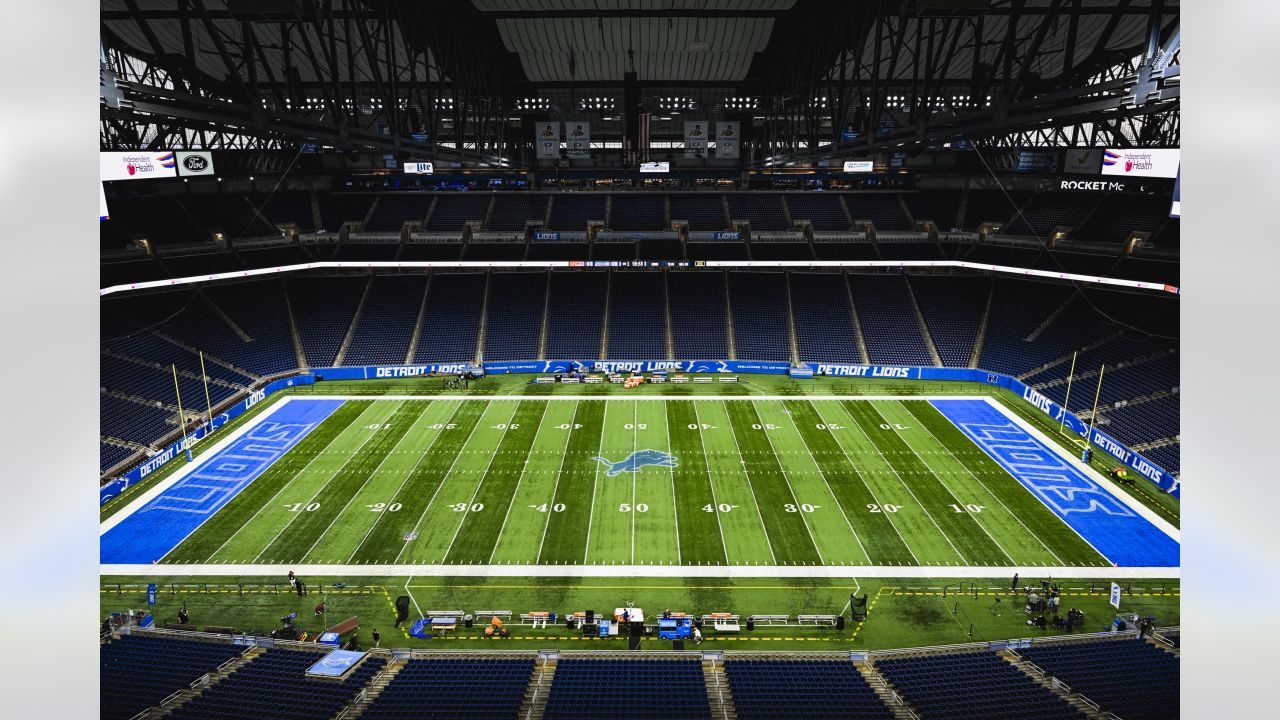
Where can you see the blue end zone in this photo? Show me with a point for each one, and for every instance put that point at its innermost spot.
(1121, 535)
(157, 527)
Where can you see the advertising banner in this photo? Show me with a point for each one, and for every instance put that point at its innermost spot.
(655, 167)
(727, 134)
(137, 165)
(695, 138)
(160, 459)
(1083, 161)
(859, 166)
(1115, 595)
(1101, 440)
(419, 168)
(1140, 162)
(578, 136)
(547, 140)
(195, 162)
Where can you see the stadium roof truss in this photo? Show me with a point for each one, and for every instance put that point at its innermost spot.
(813, 78)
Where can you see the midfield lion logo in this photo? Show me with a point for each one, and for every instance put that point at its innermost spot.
(637, 460)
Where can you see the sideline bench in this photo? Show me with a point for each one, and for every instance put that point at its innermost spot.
(503, 615)
(722, 622)
(536, 619)
(345, 626)
(816, 620)
(770, 619)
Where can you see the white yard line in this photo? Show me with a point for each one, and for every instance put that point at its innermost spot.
(1128, 500)
(479, 483)
(154, 491)
(871, 491)
(595, 480)
(984, 485)
(404, 482)
(640, 571)
(356, 494)
(825, 481)
(283, 487)
(523, 469)
(947, 487)
(635, 439)
(675, 511)
(443, 478)
(706, 464)
(791, 488)
(551, 505)
(904, 484)
(321, 489)
(730, 398)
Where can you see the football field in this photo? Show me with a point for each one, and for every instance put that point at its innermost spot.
(649, 481)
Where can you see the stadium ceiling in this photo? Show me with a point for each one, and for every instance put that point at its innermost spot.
(440, 79)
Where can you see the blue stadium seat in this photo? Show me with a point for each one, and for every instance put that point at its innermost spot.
(386, 324)
(136, 672)
(455, 687)
(628, 689)
(1131, 678)
(802, 689)
(637, 317)
(972, 685)
(275, 684)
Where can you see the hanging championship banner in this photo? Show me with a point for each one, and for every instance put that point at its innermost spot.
(695, 138)
(727, 134)
(547, 140)
(578, 139)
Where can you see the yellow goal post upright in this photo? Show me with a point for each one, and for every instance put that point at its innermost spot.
(1088, 436)
(204, 378)
(182, 416)
(1066, 403)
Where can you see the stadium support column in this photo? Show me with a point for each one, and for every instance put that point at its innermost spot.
(484, 318)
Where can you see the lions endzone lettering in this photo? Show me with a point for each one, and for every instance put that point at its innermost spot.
(1115, 530)
(161, 524)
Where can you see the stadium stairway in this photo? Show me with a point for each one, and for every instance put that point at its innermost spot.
(981, 335)
(535, 698)
(898, 705)
(924, 326)
(351, 328)
(718, 692)
(192, 693)
(374, 689)
(1075, 699)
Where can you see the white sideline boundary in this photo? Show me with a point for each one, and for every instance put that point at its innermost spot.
(673, 571)
(728, 398)
(1125, 498)
(653, 571)
(190, 467)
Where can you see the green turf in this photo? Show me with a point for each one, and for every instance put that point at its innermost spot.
(1165, 505)
(903, 612)
(521, 481)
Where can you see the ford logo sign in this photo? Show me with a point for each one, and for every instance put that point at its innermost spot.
(195, 163)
